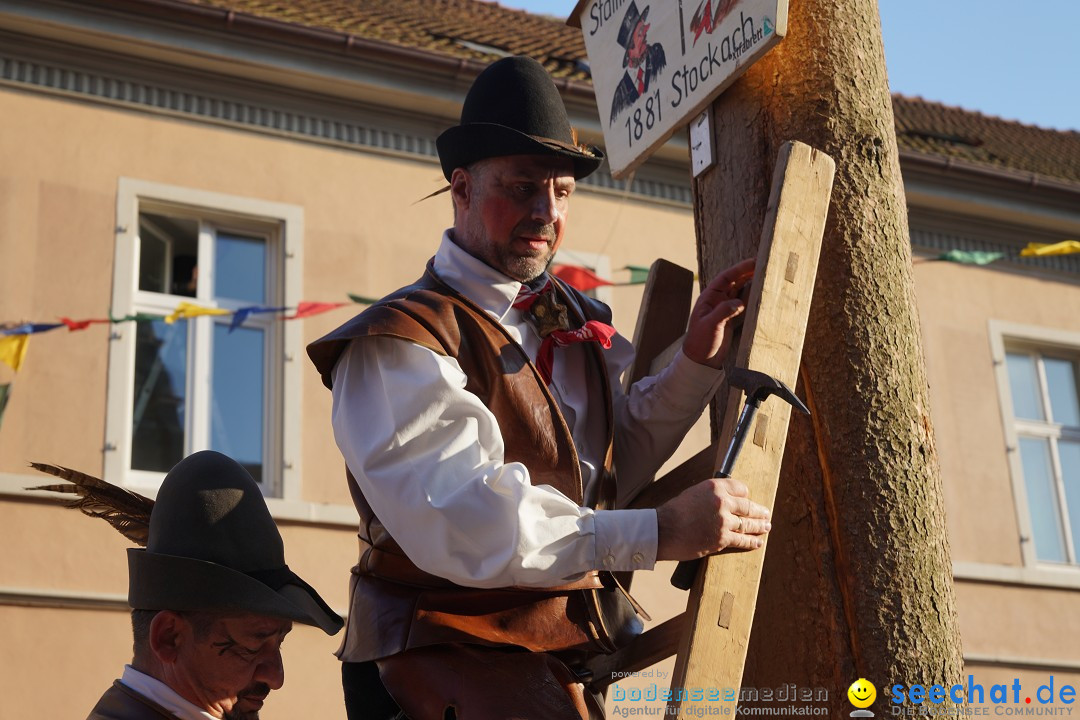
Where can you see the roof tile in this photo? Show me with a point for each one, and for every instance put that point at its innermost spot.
(436, 25)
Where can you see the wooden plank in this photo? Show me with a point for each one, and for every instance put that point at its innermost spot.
(721, 605)
(690, 472)
(665, 311)
(662, 319)
(643, 651)
(664, 358)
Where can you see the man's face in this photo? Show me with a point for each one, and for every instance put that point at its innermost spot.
(638, 44)
(512, 211)
(230, 669)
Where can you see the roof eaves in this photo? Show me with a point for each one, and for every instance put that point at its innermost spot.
(1017, 179)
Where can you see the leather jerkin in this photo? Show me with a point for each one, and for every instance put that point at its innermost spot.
(396, 606)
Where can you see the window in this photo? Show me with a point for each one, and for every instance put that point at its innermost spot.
(205, 382)
(1043, 385)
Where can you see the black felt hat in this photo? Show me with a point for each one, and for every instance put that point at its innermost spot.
(513, 108)
(213, 546)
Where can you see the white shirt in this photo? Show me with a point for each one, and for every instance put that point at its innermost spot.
(428, 455)
(153, 689)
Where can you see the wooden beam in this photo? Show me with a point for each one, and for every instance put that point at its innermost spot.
(643, 651)
(665, 311)
(721, 605)
(665, 356)
(690, 472)
(662, 320)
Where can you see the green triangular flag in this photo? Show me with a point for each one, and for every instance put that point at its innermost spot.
(971, 257)
(5, 393)
(362, 300)
(638, 274)
(137, 317)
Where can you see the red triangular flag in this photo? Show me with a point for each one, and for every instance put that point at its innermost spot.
(307, 309)
(74, 325)
(581, 278)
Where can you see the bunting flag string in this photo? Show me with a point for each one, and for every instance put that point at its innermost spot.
(582, 278)
(984, 257)
(183, 310)
(14, 336)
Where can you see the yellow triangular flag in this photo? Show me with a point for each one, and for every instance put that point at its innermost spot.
(190, 310)
(13, 350)
(1065, 247)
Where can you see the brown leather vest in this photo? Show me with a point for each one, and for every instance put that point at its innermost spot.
(396, 605)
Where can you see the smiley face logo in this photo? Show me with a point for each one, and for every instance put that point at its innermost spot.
(862, 693)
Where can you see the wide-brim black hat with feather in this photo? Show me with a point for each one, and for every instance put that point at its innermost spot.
(514, 108)
(214, 546)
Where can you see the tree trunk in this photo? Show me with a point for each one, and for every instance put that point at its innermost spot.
(858, 578)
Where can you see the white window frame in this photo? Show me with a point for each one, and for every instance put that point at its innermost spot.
(1006, 337)
(282, 222)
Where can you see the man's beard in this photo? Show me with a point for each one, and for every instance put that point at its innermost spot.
(258, 689)
(523, 268)
(235, 714)
(526, 268)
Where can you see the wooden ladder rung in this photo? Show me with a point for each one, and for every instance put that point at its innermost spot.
(646, 649)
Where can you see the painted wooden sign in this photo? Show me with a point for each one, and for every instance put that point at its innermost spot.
(658, 63)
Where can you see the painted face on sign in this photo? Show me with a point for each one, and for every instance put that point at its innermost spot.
(638, 44)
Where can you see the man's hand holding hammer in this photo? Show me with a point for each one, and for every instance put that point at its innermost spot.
(706, 518)
(717, 513)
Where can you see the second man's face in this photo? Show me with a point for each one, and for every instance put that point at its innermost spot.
(229, 672)
(514, 212)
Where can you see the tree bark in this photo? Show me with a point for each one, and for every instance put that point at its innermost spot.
(858, 578)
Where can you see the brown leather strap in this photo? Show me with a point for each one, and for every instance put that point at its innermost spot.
(388, 565)
(482, 683)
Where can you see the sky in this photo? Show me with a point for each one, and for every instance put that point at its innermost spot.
(1014, 59)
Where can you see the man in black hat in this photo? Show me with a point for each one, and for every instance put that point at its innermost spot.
(213, 600)
(480, 415)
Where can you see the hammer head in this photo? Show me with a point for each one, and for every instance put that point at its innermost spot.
(758, 386)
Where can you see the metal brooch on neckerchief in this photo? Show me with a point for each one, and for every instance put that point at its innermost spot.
(549, 317)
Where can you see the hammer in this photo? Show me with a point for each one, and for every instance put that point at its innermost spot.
(757, 386)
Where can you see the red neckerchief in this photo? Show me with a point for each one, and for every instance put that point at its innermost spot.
(591, 331)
